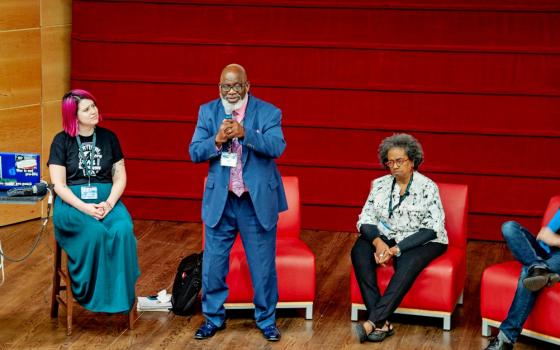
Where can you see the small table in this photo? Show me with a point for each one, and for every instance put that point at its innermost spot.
(4, 199)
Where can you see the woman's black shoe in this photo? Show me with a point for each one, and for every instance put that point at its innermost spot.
(361, 332)
(379, 335)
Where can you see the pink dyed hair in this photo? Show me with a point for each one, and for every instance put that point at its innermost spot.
(70, 102)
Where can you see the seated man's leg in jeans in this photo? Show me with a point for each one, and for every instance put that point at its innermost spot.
(523, 245)
(526, 250)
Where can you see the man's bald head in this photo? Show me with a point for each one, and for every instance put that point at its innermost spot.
(233, 83)
(234, 68)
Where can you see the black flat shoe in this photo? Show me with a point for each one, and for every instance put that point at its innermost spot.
(361, 332)
(208, 330)
(498, 344)
(379, 335)
(271, 333)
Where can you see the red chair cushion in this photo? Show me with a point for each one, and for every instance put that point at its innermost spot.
(437, 288)
(440, 284)
(295, 264)
(497, 289)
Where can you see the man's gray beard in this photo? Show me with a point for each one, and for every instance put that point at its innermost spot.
(230, 107)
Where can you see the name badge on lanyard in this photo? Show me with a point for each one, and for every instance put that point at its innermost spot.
(228, 159)
(89, 191)
(401, 198)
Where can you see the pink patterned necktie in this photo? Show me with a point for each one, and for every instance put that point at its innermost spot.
(236, 184)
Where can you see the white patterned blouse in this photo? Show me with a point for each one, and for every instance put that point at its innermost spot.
(420, 209)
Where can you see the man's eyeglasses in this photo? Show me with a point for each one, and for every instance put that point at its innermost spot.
(236, 87)
(398, 162)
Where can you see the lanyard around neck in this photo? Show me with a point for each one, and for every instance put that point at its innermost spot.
(401, 198)
(87, 169)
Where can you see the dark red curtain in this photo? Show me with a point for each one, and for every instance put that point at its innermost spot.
(477, 82)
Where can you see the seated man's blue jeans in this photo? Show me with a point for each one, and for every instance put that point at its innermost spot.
(526, 249)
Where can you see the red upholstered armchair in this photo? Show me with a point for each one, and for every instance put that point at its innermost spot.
(439, 287)
(497, 289)
(295, 262)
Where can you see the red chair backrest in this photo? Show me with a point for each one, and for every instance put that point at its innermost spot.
(553, 206)
(289, 222)
(454, 200)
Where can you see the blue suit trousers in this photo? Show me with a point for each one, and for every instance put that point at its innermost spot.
(260, 248)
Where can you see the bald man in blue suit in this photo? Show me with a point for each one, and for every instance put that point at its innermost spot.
(240, 136)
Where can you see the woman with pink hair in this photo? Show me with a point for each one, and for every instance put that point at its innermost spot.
(92, 225)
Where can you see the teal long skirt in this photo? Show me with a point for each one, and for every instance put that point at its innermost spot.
(102, 258)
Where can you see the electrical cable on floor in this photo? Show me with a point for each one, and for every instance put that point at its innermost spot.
(3, 255)
(2, 263)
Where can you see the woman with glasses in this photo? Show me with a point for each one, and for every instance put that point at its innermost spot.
(403, 221)
(92, 225)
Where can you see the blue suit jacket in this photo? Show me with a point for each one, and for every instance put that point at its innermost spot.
(263, 142)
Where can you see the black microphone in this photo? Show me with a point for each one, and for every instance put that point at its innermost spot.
(39, 189)
(228, 142)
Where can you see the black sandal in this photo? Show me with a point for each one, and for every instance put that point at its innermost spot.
(362, 333)
(378, 335)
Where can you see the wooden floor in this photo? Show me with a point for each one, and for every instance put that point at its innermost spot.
(25, 302)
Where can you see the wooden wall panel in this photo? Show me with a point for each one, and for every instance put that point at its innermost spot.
(21, 131)
(19, 14)
(20, 71)
(56, 19)
(55, 61)
(52, 125)
(34, 70)
(56, 12)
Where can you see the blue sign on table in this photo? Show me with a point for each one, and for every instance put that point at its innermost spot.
(19, 169)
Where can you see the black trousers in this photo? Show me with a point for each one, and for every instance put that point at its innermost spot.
(407, 267)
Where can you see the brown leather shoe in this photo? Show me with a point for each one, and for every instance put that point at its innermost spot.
(540, 277)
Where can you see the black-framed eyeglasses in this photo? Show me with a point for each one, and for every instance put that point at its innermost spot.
(398, 162)
(236, 87)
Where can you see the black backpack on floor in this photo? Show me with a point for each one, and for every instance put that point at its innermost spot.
(187, 285)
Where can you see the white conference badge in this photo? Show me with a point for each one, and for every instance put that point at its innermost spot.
(89, 192)
(229, 159)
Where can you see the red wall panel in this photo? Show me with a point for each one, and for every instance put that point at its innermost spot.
(321, 26)
(458, 72)
(478, 82)
(351, 148)
(345, 109)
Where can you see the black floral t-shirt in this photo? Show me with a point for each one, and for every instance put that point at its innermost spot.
(64, 151)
